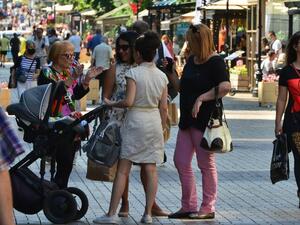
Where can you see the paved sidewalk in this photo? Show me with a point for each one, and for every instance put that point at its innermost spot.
(245, 193)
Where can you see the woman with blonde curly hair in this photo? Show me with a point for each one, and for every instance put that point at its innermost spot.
(75, 86)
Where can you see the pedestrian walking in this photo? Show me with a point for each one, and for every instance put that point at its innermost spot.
(96, 40)
(76, 41)
(22, 45)
(31, 67)
(52, 36)
(11, 147)
(4, 48)
(15, 44)
(42, 46)
(102, 56)
(289, 92)
(204, 71)
(146, 100)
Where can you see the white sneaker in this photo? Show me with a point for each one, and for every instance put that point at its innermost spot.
(105, 219)
(146, 219)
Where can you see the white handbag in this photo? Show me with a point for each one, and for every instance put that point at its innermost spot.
(216, 137)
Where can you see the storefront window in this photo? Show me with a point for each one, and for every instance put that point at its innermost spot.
(277, 19)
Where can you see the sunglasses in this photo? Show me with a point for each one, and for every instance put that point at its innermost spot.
(68, 56)
(124, 47)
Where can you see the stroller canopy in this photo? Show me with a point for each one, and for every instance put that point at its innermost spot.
(33, 104)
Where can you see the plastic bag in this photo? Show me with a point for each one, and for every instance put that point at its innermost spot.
(280, 160)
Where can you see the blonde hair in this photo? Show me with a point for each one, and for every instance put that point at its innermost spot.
(57, 48)
(165, 37)
(200, 41)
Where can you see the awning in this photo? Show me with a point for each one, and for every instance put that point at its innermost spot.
(187, 17)
(143, 13)
(112, 12)
(47, 9)
(90, 12)
(239, 3)
(164, 3)
(63, 8)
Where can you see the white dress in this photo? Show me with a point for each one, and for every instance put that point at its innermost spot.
(142, 136)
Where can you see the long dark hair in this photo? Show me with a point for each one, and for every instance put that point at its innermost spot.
(130, 37)
(291, 54)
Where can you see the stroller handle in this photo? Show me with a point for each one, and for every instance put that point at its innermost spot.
(88, 117)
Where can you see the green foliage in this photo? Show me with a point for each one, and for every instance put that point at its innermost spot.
(102, 6)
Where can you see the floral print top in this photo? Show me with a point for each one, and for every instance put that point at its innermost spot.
(72, 93)
(119, 92)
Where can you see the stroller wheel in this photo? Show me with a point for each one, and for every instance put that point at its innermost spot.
(60, 207)
(81, 200)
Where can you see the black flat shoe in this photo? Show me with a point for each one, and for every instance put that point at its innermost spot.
(180, 215)
(202, 216)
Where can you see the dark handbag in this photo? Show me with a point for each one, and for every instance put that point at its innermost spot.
(216, 137)
(12, 82)
(21, 73)
(105, 144)
(280, 169)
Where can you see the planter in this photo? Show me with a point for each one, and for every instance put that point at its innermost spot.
(267, 93)
(239, 82)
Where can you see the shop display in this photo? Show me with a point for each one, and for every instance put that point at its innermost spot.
(239, 77)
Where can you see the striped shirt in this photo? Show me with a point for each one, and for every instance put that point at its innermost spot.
(10, 144)
(25, 64)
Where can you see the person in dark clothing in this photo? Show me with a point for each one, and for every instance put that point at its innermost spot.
(96, 40)
(76, 85)
(289, 91)
(204, 71)
(15, 47)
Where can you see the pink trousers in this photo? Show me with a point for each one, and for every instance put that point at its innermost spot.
(188, 143)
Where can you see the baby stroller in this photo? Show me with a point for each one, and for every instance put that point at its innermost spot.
(31, 193)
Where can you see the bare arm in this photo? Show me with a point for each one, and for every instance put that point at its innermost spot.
(129, 98)
(109, 81)
(36, 74)
(224, 88)
(163, 107)
(280, 107)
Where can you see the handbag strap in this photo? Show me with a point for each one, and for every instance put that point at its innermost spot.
(31, 65)
(219, 108)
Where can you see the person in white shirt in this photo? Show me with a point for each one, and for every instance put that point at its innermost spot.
(102, 54)
(76, 41)
(275, 44)
(268, 66)
(41, 46)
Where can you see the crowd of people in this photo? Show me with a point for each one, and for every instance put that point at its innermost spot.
(138, 82)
